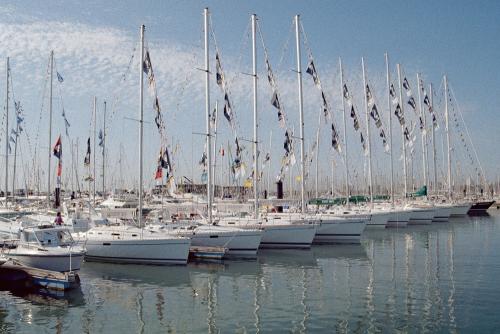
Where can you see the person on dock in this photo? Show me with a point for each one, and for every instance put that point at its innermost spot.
(58, 220)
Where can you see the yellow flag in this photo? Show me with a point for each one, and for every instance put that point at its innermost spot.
(247, 183)
(298, 178)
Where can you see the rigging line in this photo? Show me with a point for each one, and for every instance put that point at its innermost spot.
(468, 134)
(285, 47)
(42, 94)
(274, 82)
(123, 78)
(225, 86)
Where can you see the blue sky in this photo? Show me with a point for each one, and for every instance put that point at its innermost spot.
(93, 43)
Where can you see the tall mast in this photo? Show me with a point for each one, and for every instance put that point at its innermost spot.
(7, 133)
(433, 143)
(389, 108)
(401, 105)
(207, 111)
(95, 175)
(447, 134)
(424, 136)
(49, 171)
(301, 116)
(104, 152)
(255, 121)
(141, 124)
(215, 145)
(316, 179)
(345, 135)
(368, 141)
(269, 164)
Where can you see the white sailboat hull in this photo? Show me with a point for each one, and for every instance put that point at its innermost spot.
(288, 236)
(339, 230)
(442, 214)
(239, 243)
(421, 216)
(149, 251)
(378, 219)
(399, 218)
(460, 209)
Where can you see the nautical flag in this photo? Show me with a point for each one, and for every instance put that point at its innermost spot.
(375, 115)
(59, 168)
(221, 151)
(159, 173)
(158, 118)
(406, 134)
(165, 160)
(101, 138)
(355, 119)
(213, 118)
(421, 123)
(275, 101)
(434, 121)
(369, 97)
(392, 93)
(270, 76)
(238, 168)
(427, 102)
(86, 161)
(218, 71)
(59, 77)
(325, 105)
(399, 114)
(346, 93)
(411, 102)
(311, 69)
(228, 112)
(384, 140)
(204, 177)
(239, 149)
(406, 85)
(335, 140)
(363, 144)
(288, 143)
(57, 150)
(148, 68)
(203, 161)
(66, 123)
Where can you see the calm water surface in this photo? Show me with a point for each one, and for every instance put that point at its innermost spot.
(437, 278)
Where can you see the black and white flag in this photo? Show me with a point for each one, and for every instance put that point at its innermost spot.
(399, 114)
(354, 118)
(335, 139)
(218, 71)
(392, 93)
(311, 69)
(375, 115)
(412, 103)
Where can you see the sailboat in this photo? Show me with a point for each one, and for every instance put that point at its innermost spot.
(277, 231)
(131, 244)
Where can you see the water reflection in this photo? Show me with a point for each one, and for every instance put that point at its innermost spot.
(423, 278)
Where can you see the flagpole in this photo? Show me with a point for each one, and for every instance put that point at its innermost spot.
(389, 108)
(141, 126)
(367, 113)
(7, 134)
(301, 116)
(104, 152)
(345, 136)
(50, 127)
(433, 142)
(207, 111)
(94, 167)
(255, 121)
(447, 134)
(424, 135)
(402, 130)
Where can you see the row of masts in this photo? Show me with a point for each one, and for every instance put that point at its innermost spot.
(255, 141)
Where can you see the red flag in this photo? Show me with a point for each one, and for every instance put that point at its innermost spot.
(159, 173)
(58, 148)
(59, 168)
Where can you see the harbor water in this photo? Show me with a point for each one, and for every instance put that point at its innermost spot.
(437, 278)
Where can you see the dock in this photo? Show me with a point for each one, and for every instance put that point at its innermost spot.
(14, 271)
